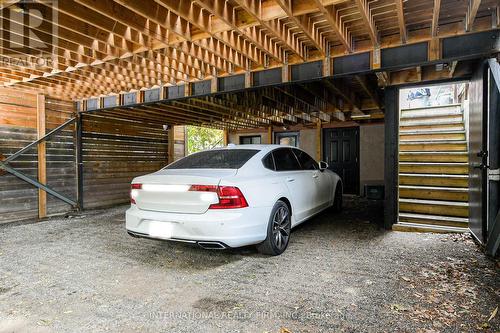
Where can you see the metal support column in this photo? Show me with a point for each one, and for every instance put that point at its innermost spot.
(79, 161)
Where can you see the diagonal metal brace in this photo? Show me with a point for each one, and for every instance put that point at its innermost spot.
(37, 184)
(20, 175)
(35, 143)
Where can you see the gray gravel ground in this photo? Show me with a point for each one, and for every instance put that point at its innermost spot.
(341, 273)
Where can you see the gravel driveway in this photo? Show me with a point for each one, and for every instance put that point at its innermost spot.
(341, 273)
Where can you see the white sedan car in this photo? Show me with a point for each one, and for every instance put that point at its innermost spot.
(233, 196)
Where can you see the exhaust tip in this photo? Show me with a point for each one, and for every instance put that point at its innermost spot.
(132, 234)
(212, 245)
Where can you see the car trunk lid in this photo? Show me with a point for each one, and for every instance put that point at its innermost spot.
(168, 190)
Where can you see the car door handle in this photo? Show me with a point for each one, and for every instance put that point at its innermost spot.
(315, 175)
(290, 179)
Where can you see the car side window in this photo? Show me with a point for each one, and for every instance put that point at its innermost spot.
(285, 160)
(268, 162)
(306, 161)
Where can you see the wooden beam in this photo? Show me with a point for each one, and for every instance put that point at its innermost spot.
(370, 90)
(401, 20)
(453, 67)
(335, 21)
(435, 18)
(270, 135)
(304, 23)
(42, 159)
(225, 137)
(367, 18)
(276, 28)
(472, 9)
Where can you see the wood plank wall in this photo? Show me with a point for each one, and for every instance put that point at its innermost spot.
(115, 150)
(18, 199)
(60, 154)
(18, 128)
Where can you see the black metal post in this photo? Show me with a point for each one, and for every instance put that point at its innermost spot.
(79, 161)
(391, 122)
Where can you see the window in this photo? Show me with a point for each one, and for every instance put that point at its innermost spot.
(306, 161)
(285, 160)
(250, 140)
(268, 162)
(288, 139)
(215, 159)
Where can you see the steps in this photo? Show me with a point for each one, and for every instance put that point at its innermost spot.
(433, 170)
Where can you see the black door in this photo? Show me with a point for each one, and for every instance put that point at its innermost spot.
(341, 151)
(484, 150)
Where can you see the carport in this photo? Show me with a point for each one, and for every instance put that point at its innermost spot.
(96, 92)
(104, 85)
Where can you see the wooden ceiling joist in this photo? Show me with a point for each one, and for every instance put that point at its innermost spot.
(331, 16)
(401, 20)
(276, 28)
(114, 46)
(472, 9)
(366, 16)
(305, 25)
(435, 17)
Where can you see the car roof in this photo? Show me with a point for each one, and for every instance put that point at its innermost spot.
(261, 147)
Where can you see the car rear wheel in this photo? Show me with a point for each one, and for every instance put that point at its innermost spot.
(337, 201)
(278, 230)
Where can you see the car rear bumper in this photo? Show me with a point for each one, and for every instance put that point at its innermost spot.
(230, 228)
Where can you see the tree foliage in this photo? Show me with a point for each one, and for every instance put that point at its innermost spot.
(202, 138)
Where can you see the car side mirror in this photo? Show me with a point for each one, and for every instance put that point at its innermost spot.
(323, 165)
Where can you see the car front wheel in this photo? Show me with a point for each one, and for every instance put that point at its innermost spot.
(278, 230)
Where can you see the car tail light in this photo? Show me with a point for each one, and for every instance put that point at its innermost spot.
(230, 197)
(134, 191)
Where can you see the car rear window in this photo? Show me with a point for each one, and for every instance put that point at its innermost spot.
(215, 159)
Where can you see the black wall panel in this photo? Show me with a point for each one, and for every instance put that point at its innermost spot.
(352, 64)
(234, 82)
(201, 87)
(152, 95)
(175, 91)
(307, 71)
(109, 101)
(404, 55)
(471, 44)
(267, 77)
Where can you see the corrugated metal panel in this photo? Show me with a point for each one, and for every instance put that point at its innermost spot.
(472, 44)
(307, 71)
(233, 82)
(152, 95)
(404, 55)
(267, 77)
(201, 87)
(352, 64)
(175, 91)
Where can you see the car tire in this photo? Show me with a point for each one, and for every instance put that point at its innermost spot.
(278, 230)
(337, 201)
